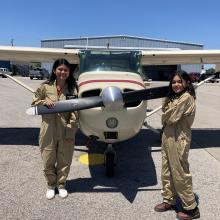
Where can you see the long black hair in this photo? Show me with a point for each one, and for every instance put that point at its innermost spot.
(71, 82)
(189, 86)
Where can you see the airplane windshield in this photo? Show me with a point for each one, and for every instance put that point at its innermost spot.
(126, 61)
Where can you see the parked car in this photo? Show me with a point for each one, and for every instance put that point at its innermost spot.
(4, 70)
(39, 73)
(215, 79)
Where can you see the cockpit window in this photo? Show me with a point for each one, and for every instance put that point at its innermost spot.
(126, 61)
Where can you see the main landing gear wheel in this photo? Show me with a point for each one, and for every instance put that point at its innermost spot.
(110, 158)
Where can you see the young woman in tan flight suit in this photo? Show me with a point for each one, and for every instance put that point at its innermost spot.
(57, 132)
(178, 116)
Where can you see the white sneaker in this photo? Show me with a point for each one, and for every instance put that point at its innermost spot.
(62, 193)
(50, 194)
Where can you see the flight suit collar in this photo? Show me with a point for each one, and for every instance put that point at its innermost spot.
(62, 95)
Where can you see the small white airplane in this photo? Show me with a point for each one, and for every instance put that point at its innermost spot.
(112, 99)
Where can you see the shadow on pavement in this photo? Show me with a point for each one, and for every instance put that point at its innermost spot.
(28, 136)
(205, 138)
(135, 168)
(134, 171)
(19, 136)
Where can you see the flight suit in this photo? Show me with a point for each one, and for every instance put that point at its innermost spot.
(56, 151)
(177, 119)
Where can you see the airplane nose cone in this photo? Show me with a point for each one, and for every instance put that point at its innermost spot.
(112, 98)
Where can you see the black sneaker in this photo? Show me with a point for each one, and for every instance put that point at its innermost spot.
(189, 214)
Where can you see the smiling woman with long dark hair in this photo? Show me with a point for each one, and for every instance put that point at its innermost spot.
(177, 119)
(57, 133)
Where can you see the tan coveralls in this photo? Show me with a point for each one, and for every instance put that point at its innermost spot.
(56, 151)
(177, 119)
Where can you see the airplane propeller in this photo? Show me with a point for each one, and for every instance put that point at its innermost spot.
(146, 94)
(112, 98)
(67, 106)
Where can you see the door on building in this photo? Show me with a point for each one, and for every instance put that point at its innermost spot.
(159, 72)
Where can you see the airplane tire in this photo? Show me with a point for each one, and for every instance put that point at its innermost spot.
(109, 164)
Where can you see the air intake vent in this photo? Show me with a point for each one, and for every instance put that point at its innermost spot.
(111, 135)
(91, 93)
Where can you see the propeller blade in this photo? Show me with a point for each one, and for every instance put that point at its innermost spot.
(67, 106)
(145, 94)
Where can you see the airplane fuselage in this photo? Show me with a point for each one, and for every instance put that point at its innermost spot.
(115, 125)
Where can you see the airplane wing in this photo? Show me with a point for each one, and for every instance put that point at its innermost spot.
(149, 57)
(180, 57)
(153, 57)
(35, 54)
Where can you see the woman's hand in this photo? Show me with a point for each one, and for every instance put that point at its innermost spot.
(49, 103)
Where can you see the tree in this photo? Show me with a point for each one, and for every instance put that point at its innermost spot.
(210, 71)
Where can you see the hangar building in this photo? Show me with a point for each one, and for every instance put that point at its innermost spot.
(153, 72)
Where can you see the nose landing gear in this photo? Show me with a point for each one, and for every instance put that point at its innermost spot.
(110, 160)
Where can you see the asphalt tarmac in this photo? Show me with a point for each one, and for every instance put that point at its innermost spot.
(134, 190)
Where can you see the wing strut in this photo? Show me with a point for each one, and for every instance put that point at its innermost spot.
(20, 83)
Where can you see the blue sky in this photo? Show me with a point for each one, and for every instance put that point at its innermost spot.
(28, 21)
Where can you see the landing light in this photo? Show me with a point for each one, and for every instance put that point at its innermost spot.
(112, 122)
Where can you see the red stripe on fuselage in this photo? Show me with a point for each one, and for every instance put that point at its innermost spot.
(112, 80)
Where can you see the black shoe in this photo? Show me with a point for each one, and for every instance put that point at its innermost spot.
(189, 214)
